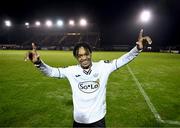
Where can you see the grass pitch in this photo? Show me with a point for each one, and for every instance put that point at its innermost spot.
(30, 99)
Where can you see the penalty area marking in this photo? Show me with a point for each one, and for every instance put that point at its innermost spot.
(149, 103)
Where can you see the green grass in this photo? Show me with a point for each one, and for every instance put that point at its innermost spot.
(30, 99)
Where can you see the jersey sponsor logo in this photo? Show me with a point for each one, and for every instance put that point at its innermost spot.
(88, 86)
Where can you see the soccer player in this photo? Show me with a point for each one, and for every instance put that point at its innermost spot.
(88, 80)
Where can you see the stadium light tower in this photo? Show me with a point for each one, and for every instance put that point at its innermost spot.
(8, 23)
(37, 23)
(83, 22)
(60, 23)
(49, 23)
(27, 24)
(71, 22)
(145, 16)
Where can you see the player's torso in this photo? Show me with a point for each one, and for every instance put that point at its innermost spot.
(88, 82)
(89, 91)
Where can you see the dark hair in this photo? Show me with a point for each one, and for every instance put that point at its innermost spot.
(84, 45)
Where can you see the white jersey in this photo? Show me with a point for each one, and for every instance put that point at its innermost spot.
(89, 86)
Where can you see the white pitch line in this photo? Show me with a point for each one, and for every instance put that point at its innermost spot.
(151, 106)
(172, 122)
(149, 103)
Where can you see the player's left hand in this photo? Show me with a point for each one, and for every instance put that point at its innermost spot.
(142, 40)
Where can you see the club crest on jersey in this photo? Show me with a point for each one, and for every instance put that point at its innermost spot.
(88, 86)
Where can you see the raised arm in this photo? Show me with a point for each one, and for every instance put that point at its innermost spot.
(126, 58)
(34, 57)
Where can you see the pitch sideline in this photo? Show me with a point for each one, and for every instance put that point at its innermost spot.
(149, 103)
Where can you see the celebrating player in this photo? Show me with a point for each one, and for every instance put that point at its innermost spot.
(88, 80)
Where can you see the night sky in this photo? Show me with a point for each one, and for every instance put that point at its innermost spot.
(117, 20)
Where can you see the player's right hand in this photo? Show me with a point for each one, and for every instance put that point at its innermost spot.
(33, 56)
(143, 40)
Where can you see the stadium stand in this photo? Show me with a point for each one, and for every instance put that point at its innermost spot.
(55, 39)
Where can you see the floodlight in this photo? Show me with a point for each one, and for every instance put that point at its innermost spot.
(37, 23)
(71, 22)
(8, 23)
(145, 16)
(48, 23)
(59, 23)
(83, 22)
(27, 24)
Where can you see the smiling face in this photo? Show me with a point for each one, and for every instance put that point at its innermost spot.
(84, 58)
